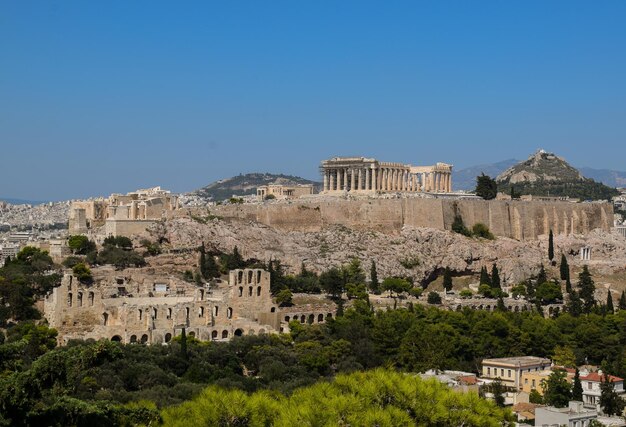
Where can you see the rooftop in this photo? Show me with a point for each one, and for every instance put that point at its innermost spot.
(597, 377)
(518, 361)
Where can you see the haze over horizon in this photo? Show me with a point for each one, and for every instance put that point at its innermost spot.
(100, 98)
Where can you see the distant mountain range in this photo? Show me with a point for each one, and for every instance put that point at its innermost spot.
(244, 185)
(465, 179)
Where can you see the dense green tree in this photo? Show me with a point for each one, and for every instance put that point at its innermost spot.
(332, 282)
(80, 245)
(609, 303)
(542, 277)
(610, 402)
(564, 268)
(535, 397)
(551, 246)
(434, 298)
(459, 227)
(556, 390)
(284, 298)
(586, 290)
(622, 301)
(82, 273)
(486, 187)
(396, 285)
(574, 305)
(353, 272)
(484, 277)
(577, 387)
(374, 284)
(564, 356)
(121, 242)
(495, 277)
(447, 279)
(481, 230)
(548, 293)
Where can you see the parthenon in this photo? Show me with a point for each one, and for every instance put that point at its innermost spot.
(360, 174)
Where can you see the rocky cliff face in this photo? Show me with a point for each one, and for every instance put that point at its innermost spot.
(427, 251)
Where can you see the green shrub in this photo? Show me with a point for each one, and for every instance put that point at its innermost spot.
(481, 230)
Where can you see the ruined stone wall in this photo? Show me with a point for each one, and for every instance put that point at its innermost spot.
(515, 219)
(154, 309)
(126, 227)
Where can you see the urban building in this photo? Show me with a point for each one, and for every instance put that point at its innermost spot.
(509, 370)
(575, 415)
(284, 191)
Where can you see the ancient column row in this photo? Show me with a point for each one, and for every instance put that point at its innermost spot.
(385, 179)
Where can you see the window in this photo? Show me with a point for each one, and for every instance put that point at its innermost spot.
(201, 312)
(169, 313)
(502, 372)
(589, 385)
(258, 291)
(533, 385)
(229, 313)
(488, 371)
(509, 373)
(525, 380)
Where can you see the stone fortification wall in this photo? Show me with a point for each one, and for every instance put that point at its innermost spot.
(515, 219)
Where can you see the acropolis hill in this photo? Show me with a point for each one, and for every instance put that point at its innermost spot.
(519, 220)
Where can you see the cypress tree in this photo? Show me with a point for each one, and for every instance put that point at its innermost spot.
(495, 277)
(501, 306)
(609, 303)
(447, 279)
(374, 285)
(568, 286)
(577, 389)
(564, 268)
(484, 277)
(574, 305)
(183, 344)
(622, 301)
(551, 246)
(587, 289)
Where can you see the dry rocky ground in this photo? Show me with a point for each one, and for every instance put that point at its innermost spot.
(419, 253)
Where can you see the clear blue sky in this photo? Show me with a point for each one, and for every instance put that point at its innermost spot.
(104, 96)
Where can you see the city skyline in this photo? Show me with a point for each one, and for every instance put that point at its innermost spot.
(100, 99)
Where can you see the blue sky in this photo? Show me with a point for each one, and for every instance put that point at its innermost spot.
(101, 97)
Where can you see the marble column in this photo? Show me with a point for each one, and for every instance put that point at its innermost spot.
(332, 180)
(326, 173)
(345, 179)
(374, 180)
(367, 179)
(360, 181)
(353, 180)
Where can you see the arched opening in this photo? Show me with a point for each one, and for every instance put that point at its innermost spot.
(311, 318)
(144, 338)
(79, 299)
(240, 277)
(169, 313)
(105, 319)
(320, 317)
(90, 298)
(258, 276)
(240, 291)
(224, 334)
(258, 291)
(133, 339)
(329, 316)
(201, 294)
(287, 319)
(273, 310)
(214, 335)
(251, 332)
(238, 332)
(69, 299)
(250, 276)
(516, 308)
(154, 313)
(187, 313)
(168, 337)
(116, 338)
(192, 334)
(261, 331)
(249, 291)
(229, 313)
(201, 312)
(216, 310)
(140, 314)
(302, 318)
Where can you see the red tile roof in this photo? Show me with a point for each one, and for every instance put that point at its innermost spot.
(594, 376)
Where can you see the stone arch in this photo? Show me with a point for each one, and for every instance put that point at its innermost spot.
(250, 273)
(240, 291)
(516, 308)
(258, 276)
(187, 313)
(273, 310)
(287, 319)
(168, 337)
(480, 307)
(192, 334)
(105, 318)
(238, 332)
(311, 319)
(320, 317)
(169, 313)
(239, 276)
(216, 310)
(249, 291)
(144, 338)
(458, 308)
(302, 318)
(201, 312)
(155, 312)
(229, 313)
(258, 291)
(510, 308)
(224, 334)
(329, 316)
(251, 332)
(201, 294)
(488, 308)
(133, 339)
(79, 299)
(91, 297)
(116, 338)
(261, 331)
(69, 299)
(140, 314)
(214, 335)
